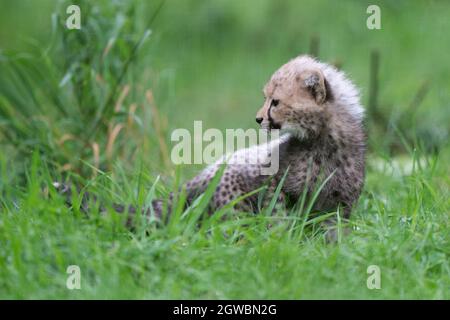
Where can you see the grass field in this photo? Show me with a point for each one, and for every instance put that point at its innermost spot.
(98, 105)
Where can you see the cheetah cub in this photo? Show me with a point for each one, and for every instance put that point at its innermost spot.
(318, 112)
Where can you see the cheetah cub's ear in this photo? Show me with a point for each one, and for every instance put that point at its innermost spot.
(314, 81)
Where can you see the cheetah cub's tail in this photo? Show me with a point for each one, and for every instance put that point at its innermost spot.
(89, 200)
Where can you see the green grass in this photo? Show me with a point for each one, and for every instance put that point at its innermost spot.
(65, 94)
(401, 224)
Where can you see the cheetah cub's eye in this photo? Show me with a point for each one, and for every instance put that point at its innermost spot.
(275, 102)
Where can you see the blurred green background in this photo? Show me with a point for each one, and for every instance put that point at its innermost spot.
(207, 60)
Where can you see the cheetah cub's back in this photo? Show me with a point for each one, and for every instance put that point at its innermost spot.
(319, 114)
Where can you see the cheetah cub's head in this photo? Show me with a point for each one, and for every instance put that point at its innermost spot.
(300, 95)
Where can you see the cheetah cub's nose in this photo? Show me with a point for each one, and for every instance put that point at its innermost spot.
(259, 120)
